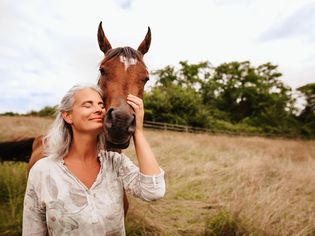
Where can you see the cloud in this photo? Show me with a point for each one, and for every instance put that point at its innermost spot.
(300, 23)
(48, 46)
(124, 4)
(233, 2)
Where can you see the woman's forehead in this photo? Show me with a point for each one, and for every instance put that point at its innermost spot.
(86, 94)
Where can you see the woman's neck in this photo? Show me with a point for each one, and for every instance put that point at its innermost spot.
(83, 147)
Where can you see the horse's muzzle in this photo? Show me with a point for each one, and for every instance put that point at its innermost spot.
(120, 125)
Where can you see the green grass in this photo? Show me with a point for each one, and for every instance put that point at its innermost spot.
(223, 224)
(12, 188)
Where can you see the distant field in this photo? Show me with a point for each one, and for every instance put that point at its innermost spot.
(19, 127)
(216, 185)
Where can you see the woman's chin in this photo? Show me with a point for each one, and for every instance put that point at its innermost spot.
(95, 129)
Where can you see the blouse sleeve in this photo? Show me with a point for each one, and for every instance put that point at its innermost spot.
(34, 214)
(146, 187)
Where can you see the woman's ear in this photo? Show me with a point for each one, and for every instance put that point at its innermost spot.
(67, 117)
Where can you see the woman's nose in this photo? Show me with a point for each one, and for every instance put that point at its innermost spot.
(99, 109)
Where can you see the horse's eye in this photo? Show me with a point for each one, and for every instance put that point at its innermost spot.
(145, 79)
(102, 71)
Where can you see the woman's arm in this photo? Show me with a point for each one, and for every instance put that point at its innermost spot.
(34, 216)
(147, 162)
(146, 182)
(146, 187)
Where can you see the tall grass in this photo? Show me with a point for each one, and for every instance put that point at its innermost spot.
(12, 188)
(250, 185)
(216, 185)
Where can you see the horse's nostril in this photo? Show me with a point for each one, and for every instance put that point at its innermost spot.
(109, 119)
(110, 112)
(120, 122)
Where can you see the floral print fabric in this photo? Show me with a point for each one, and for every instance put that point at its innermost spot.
(58, 203)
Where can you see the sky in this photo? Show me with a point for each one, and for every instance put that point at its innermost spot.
(47, 46)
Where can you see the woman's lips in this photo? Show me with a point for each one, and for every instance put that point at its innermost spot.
(97, 119)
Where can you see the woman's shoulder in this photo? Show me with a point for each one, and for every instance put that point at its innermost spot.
(43, 165)
(112, 158)
(109, 155)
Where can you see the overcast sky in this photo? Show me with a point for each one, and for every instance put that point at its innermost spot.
(46, 46)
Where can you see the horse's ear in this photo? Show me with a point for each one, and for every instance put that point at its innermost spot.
(102, 40)
(145, 45)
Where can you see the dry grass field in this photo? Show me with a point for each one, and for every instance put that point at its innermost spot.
(216, 185)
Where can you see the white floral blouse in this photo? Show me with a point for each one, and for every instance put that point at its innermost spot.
(57, 203)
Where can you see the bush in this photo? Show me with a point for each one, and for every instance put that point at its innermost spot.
(46, 111)
(223, 224)
(10, 113)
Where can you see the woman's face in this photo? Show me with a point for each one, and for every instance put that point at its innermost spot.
(87, 113)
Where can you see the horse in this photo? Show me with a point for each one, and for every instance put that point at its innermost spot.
(122, 72)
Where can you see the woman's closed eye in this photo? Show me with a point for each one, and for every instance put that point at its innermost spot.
(102, 105)
(87, 105)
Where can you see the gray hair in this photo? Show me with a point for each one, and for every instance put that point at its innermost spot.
(59, 137)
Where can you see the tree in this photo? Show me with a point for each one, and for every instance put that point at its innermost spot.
(234, 96)
(309, 92)
(243, 91)
(307, 116)
(46, 111)
(176, 98)
(166, 76)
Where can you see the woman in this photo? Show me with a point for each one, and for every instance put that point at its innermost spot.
(78, 188)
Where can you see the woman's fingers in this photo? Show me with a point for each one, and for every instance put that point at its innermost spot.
(134, 99)
(135, 102)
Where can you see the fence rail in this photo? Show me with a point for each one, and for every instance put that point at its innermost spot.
(182, 128)
(191, 129)
(172, 127)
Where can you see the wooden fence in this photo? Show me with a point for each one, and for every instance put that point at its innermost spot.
(190, 129)
(173, 127)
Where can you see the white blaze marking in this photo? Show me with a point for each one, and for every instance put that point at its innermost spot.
(128, 61)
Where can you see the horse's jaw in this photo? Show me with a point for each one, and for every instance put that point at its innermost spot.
(109, 145)
(116, 139)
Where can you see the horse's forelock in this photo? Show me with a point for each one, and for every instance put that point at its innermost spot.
(126, 55)
(126, 52)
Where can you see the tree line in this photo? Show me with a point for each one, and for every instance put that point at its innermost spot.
(234, 96)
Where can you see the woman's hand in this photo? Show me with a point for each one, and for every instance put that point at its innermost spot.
(146, 159)
(137, 104)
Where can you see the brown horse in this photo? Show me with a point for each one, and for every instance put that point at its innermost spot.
(122, 72)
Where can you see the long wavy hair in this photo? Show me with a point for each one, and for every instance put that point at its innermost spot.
(59, 137)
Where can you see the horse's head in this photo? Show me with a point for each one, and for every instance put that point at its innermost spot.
(123, 72)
